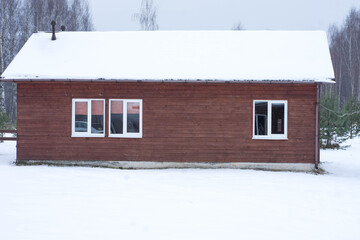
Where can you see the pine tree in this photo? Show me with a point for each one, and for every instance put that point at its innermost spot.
(332, 126)
(5, 122)
(352, 116)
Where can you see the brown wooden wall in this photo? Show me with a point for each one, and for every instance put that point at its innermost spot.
(198, 122)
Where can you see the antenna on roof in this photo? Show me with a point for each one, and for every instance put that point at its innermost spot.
(53, 23)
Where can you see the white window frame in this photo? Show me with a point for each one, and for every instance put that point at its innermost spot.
(269, 110)
(125, 134)
(88, 133)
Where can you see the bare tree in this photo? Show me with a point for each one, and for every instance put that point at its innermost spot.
(36, 9)
(345, 54)
(2, 34)
(2, 30)
(147, 16)
(74, 14)
(238, 26)
(86, 20)
(25, 24)
(12, 21)
(9, 42)
(79, 16)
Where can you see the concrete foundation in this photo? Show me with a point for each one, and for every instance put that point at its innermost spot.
(297, 167)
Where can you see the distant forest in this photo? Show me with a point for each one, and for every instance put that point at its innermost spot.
(340, 102)
(344, 43)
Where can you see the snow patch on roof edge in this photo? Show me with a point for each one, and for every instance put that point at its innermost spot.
(87, 79)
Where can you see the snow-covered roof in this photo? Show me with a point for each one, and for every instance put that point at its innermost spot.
(175, 56)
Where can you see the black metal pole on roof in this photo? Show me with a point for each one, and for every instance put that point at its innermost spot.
(53, 23)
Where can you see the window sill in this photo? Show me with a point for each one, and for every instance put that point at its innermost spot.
(269, 138)
(125, 136)
(89, 136)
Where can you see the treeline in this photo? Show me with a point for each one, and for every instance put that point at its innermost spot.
(19, 19)
(340, 103)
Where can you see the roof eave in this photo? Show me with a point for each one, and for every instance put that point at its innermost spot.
(11, 79)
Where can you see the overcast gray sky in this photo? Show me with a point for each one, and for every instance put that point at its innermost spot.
(114, 15)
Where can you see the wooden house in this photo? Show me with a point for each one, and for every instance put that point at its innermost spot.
(155, 99)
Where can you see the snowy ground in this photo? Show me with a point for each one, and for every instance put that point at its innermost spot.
(40, 202)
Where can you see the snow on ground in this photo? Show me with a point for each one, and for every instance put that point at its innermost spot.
(41, 202)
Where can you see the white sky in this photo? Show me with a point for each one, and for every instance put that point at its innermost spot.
(223, 14)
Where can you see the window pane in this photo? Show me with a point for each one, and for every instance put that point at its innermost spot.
(133, 110)
(277, 118)
(261, 115)
(116, 121)
(81, 109)
(97, 116)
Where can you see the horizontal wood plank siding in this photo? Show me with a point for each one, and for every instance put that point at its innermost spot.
(182, 122)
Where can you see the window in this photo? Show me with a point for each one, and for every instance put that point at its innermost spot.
(88, 118)
(125, 118)
(270, 119)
